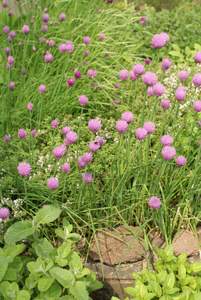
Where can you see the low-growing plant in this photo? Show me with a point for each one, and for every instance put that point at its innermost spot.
(31, 267)
(173, 278)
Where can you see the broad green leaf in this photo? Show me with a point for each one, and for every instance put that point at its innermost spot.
(14, 250)
(44, 283)
(43, 248)
(64, 250)
(79, 291)
(47, 214)
(64, 277)
(23, 295)
(9, 290)
(3, 266)
(18, 231)
(52, 293)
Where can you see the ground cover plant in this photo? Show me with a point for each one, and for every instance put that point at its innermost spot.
(100, 114)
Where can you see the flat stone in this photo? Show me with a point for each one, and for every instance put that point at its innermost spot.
(156, 239)
(187, 242)
(117, 246)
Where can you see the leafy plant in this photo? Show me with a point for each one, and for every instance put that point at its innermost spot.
(35, 269)
(173, 278)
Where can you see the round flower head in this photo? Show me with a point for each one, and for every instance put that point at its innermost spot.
(165, 104)
(183, 75)
(181, 161)
(62, 17)
(51, 43)
(133, 76)
(7, 50)
(140, 133)
(154, 202)
(6, 29)
(11, 85)
(159, 40)
(66, 168)
(197, 57)
(150, 91)
(86, 40)
(123, 75)
(33, 132)
(138, 69)
(5, 3)
(25, 29)
(7, 138)
(197, 105)
(91, 73)
(87, 178)
(71, 137)
(147, 61)
(11, 35)
(149, 127)
(94, 146)
(48, 58)
(65, 130)
(77, 74)
(83, 100)
(30, 106)
(158, 89)
(54, 123)
(143, 20)
(62, 48)
(100, 140)
(121, 126)
(149, 78)
(168, 152)
(10, 60)
(4, 213)
(81, 163)
(70, 82)
(44, 28)
(94, 125)
(53, 183)
(87, 157)
(24, 169)
(22, 133)
(180, 93)
(127, 116)
(166, 140)
(197, 79)
(69, 47)
(59, 151)
(101, 36)
(42, 88)
(45, 18)
(166, 64)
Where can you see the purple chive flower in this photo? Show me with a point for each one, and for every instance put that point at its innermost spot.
(10, 60)
(87, 157)
(87, 178)
(62, 48)
(44, 28)
(54, 123)
(59, 151)
(143, 20)
(86, 40)
(53, 183)
(83, 100)
(166, 64)
(7, 138)
(197, 57)
(66, 168)
(4, 213)
(140, 133)
(77, 74)
(100, 140)
(65, 130)
(158, 89)
(81, 163)
(181, 161)
(147, 61)
(30, 106)
(5, 3)
(168, 152)
(51, 43)
(71, 138)
(121, 126)
(101, 36)
(25, 29)
(133, 76)
(197, 105)
(11, 85)
(6, 29)
(22, 133)
(11, 35)
(45, 18)
(159, 40)
(94, 146)
(149, 127)
(165, 104)
(166, 140)
(138, 69)
(48, 57)
(197, 79)
(91, 73)
(180, 93)
(42, 88)
(154, 202)
(34, 132)
(62, 17)
(183, 75)
(94, 125)
(150, 91)
(24, 169)
(149, 78)
(69, 47)
(123, 75)
(7, 50)
(70, 82)
(127, 116)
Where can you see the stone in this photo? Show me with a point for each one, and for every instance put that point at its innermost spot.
(117, 246)
(156, 239)
(187, 242)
